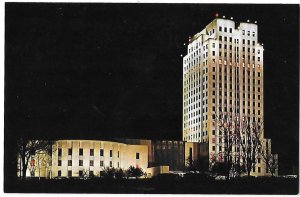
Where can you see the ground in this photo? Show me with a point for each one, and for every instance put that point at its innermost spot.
(191, 185)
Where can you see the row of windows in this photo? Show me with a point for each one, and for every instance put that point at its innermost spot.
(137, 156)
(225, 39)
(80, 173)
(80, 163)
(225, 29)
(70, 152)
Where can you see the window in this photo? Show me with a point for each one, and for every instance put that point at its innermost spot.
(101, 163)
(69, 173)
(80, 162)
(101, 152)
(59, 173)
(118, 154)
(91, 162)
(213, 148)
(59, 163)
(59, 152)
(225, 29)
(91, 152)
(230, 30)
(213, 53)
(137, 155)
(69, 162)
(220, 28)
(110, 164)
(220, 38)
(258, 169)
(80, 151)
(91, 173)
(110, 153)
(80, 173)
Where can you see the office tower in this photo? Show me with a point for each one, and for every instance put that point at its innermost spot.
(222, 74)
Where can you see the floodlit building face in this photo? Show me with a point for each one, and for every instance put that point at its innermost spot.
(87, 158)
(76, 158)
(222, 72)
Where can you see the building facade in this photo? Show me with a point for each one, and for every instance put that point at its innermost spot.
(172, 153)
(88, 158)
(222, 74)
(76, 158)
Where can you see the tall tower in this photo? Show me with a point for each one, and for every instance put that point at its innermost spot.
(222, 72)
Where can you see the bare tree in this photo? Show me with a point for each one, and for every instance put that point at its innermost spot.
(237, 142)
(29, 147)
(251, 137)
(270, 160)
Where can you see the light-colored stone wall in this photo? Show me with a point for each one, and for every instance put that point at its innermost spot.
(123, 156)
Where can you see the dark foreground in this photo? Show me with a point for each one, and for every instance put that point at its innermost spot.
(174, 186)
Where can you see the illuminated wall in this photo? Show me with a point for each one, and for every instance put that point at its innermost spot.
(88, 157)
(223, 71)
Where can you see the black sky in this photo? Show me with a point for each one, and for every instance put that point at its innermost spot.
(114, 70)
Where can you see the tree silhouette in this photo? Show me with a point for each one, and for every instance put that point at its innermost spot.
(29, 147)
(134, 172)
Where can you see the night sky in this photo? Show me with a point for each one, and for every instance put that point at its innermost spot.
(93, 71)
